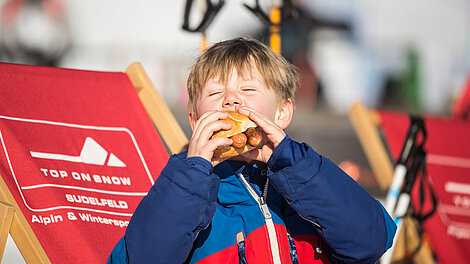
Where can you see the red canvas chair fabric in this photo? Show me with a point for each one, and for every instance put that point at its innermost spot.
(77, 152)
(448, 170)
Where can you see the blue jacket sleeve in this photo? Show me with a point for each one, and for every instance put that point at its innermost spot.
(181, 203)
(352, 223)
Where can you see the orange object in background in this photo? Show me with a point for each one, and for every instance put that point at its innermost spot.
(275, 30)
(461, 107)
(351, 168)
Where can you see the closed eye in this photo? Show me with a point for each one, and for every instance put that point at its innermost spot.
(249, 89)
(215, 93)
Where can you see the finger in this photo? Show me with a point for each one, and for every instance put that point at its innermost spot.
(211, 145)
(205, 127)
(219, 141)
(263, 122)
(203, 120)
(207, 149)
(274, 133)
(208, 130)
(206, 119)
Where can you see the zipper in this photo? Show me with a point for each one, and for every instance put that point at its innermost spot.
(293, 250)
(272, 237)
(241, 248)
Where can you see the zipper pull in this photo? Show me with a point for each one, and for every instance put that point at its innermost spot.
(264, 208)
(241, 248)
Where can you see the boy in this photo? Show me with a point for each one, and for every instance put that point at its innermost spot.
(279, 203)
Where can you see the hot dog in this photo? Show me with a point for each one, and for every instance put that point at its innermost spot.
(243, 133)
(239, 140)
(254, 137)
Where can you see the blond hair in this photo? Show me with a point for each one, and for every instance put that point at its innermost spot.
(218, 60)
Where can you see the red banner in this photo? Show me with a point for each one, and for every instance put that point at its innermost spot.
(78, 152)
(448, 171)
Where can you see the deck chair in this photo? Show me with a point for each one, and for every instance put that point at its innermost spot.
(446, 232)
(78, 151)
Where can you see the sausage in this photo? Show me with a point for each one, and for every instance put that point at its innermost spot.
(254, 137)
(251, 135)
(239, 140)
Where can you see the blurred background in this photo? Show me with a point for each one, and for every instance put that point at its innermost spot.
(404, 55)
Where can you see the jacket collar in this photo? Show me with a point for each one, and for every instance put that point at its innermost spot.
(231, 189)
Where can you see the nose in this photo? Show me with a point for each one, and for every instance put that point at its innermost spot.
(231, 99)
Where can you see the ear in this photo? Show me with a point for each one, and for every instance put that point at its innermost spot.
(284, 114)
(192, 116)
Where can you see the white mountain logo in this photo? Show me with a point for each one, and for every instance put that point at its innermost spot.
(92, 153)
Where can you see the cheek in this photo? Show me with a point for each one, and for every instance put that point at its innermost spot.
(264, 108)
(205, 106)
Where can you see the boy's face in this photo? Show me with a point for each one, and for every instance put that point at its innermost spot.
(250, 91)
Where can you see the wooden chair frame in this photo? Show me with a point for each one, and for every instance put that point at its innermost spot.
(13, 221)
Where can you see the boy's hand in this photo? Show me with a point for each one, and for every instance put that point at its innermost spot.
(272, 132)
(201, 144)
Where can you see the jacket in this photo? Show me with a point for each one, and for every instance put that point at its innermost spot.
(298, 208)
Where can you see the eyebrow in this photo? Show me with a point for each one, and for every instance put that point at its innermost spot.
(254, 79)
